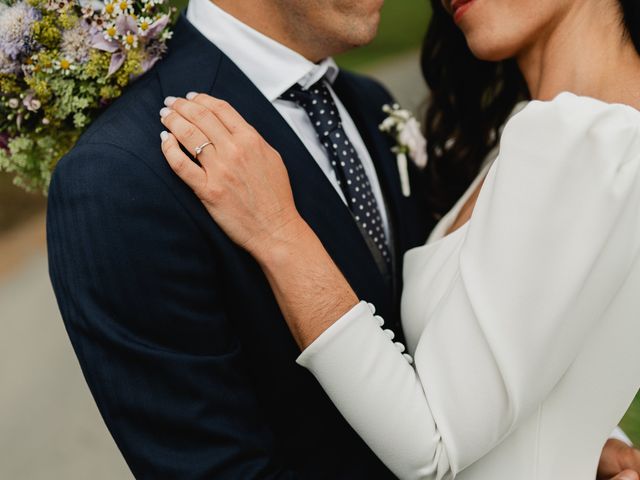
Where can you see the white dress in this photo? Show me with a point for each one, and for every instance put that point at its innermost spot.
(524, 324)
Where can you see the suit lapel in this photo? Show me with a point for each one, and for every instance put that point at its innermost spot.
(211, 71)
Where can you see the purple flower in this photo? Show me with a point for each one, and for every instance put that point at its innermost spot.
(15, 29)
(152, 54)
(126, 24)
(157, 27)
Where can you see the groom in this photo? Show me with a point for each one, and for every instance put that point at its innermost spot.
(176, 329)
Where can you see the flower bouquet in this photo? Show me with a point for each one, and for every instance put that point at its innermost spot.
(61, 63)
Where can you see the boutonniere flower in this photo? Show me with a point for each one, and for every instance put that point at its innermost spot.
(405, 129)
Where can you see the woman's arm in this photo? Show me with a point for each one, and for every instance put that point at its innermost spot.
(252, 201)
(550, 244)
(243, 184)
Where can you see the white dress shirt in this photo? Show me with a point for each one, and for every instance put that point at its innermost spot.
(516, 320)
(274, 68)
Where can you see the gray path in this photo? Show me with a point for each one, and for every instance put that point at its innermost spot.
(49, 425)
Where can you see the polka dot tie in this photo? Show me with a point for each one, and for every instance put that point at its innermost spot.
(352, 178)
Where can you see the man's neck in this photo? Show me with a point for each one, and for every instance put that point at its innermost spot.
(584, 53)
(267, 19)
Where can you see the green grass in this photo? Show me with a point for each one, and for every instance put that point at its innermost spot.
(631, 422)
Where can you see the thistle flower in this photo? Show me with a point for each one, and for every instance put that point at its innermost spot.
(15, 29)
(8, 65)
(76, 43)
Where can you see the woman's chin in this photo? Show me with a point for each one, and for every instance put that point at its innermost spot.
(489, 52)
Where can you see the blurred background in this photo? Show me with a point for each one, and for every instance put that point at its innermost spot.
(50, 427)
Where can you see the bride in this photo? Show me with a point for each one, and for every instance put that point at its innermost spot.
(525, 296)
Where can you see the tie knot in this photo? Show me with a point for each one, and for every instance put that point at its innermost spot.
(319, 105)
(317, 94)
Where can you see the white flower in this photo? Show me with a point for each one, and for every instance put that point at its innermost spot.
(110, 9)
(411, 136)
(405, 129)
(129, 40)
(65, 65)
(403, 126)
(124, 6)
(110, 32)
(143, 25)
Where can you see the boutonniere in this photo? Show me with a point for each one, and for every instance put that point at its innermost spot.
(405, 129)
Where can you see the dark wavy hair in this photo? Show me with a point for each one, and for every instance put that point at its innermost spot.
(470, 100)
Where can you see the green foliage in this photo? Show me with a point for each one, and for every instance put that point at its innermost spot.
(63, 76)
(32, 157)
(631, 422)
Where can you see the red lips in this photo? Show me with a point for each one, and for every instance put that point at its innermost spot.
(459, 7)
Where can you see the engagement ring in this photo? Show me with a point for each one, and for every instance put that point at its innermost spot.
(200, 148)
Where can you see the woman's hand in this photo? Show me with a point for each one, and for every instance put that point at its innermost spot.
(245, 187)
(241, 179)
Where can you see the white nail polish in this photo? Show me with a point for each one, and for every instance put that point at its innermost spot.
(191, 95)
(169, 101)
(164, 112)
(164, 135)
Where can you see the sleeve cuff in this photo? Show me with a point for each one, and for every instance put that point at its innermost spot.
(360, 310)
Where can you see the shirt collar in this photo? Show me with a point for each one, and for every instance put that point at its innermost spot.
(271, 66)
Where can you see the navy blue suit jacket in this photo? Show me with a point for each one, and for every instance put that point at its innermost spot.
(177, 332)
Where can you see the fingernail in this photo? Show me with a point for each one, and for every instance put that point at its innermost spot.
(169, 101)
(164, 135)
(164, 112)
(191, 95)
(627, 476)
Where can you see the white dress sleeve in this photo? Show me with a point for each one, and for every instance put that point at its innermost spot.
(552, 239)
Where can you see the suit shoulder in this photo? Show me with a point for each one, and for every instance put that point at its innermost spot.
(131, 117)
(368, 85)
(122, 139)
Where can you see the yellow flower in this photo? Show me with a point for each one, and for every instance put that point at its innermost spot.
(65, 65)
(110, 32)
(110, 9)
(130, 41)
(124, 6)
(143, 25)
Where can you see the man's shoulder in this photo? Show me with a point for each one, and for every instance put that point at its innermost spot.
(367, 85)
(122, 142)
(131, 120)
